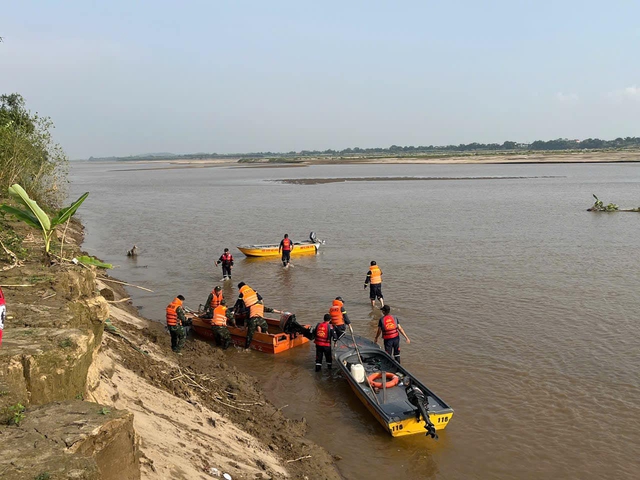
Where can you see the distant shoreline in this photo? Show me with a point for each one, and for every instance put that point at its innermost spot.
(448, 159)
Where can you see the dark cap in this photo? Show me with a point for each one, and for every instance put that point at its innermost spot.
(241, 284)
(373, 262)
(180, 297)
(226, 249)
(340, 298)
(218, 288)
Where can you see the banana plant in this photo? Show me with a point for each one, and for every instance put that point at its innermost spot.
(35, 217)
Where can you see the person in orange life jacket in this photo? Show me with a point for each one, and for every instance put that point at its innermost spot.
(248, 296)
(374, 279)
(286, 245)
(389, 326)
(3, 314)
(175, 319)
(257, 321)
(219, 325)
(226, 259)
(324, 333)
(339, 318)
(213, 300)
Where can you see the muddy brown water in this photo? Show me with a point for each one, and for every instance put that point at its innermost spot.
(521, 306)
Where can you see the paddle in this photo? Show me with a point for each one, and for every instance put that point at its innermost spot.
(353, 337)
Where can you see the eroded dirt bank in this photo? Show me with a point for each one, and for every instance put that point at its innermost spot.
(90, 389)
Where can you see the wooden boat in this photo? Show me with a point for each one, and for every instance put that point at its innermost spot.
(276, 341)
(391, 406)
(305, 247)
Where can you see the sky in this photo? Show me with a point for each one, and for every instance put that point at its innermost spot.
(124, 78)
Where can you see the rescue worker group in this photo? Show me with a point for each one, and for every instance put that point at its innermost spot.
(250, 307)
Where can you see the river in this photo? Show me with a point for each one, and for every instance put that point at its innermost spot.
(521, 306)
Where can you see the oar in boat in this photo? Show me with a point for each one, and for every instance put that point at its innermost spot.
(355, 344)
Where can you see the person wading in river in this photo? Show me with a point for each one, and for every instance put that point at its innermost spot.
(286, 246)
(324, 333)
(226, 259)
(389, 326)
(374, 279)
(175, 321)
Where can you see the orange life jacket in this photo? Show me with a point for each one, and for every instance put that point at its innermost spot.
(336, 313)
(172, 314)
(286, 244)
(323, 334)
(249, 296)
(389, 327)
(219, 316)
(376, 275)
(256, 310)
(215, 299)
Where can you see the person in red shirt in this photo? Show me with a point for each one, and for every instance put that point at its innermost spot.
(286, 245)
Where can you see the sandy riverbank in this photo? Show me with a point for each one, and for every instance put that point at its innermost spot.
(193, 415)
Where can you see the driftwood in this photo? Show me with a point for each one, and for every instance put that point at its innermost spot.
(119, 301)
(125, 283)
(298, 459)
(12, 255)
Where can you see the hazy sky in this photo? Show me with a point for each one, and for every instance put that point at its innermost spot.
(123, 77)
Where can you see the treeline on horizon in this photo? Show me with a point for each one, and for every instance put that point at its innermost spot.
(508, 146)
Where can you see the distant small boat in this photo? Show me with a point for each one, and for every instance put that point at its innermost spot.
(390, 405)
(275, 342)
(305, 247)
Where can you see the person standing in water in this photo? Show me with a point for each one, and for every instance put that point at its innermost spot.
(374, 279)
(226, 259)
(286, 246)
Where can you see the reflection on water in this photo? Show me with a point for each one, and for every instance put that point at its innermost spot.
(521, 306)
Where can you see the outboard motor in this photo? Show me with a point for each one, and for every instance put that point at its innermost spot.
(290, 326)
(312, 237)
(417, 398)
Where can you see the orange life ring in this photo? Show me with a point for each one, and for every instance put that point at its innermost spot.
(390, 376)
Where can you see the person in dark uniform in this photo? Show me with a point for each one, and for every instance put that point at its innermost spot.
(257, 321)
(226, 259)
(175, 321)
(324, 333)
(374, 279)
(286, 245)
(339, 317)
(219, 326)
(389, 327)
(214, 299)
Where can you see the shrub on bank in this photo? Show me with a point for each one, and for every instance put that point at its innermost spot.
(28, 154)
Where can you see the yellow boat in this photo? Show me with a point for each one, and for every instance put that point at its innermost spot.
(306, 247)
(402, 404)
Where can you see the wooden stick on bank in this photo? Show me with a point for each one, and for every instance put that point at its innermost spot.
(125, 283)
